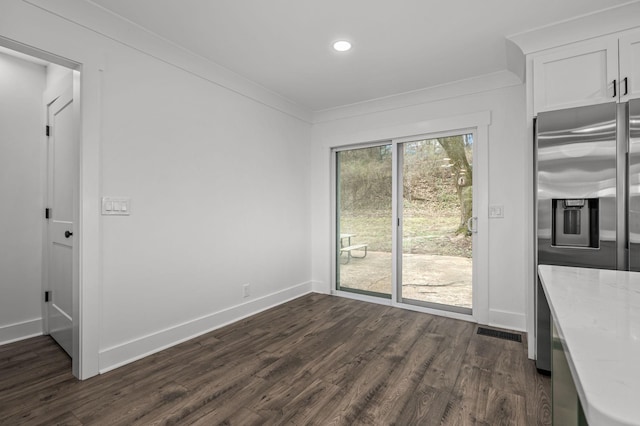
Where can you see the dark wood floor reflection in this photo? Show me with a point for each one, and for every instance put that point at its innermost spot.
(316, 360)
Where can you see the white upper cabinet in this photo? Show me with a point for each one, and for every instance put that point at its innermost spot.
(590, 72)
(580, 74)
(630, 66)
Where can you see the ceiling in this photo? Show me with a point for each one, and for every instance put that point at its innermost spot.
(398, 46)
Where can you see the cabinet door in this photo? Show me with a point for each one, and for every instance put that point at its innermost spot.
(575, 75)
(630, 66)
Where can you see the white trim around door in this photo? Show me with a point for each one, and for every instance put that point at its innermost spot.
(477, 124)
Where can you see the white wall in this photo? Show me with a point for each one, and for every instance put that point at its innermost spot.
(508, 155)
(217, 170)
(22, 167)
(219, 192)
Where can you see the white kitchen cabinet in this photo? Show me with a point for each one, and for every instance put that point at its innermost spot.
(594, 71)
(630, 66)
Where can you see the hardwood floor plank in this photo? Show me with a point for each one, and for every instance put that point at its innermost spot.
(26, 366)
(505, 408)
(361, 388)
(216, 388)
(22, 398)
(66, 419)
(316, 360)
(444, 368)
(225, 409)
(538, 394)
(32, 344)
(304, 407)
(135, 409)
(241, 417)
(426, 407)
(469, 397)
(207, 398)
(405, 379)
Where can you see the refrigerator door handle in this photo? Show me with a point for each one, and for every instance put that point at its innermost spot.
(626, 86)
(632, 126)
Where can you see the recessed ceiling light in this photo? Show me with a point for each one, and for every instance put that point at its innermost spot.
(342, 45)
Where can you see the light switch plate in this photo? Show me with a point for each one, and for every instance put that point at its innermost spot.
(116, 206)
(496, 211)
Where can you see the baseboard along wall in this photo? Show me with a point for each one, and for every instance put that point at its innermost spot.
(20, 331)
(119, 355)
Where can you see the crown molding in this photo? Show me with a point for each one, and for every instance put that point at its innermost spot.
(114, 27)
(483, 83)
(613, 20)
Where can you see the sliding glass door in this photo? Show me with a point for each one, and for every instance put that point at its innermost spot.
(435, 218)
(363, 237)
(405, 224)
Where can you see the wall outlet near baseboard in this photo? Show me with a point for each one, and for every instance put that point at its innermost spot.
(246, 290)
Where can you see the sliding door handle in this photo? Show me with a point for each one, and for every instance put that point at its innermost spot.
(472, 225)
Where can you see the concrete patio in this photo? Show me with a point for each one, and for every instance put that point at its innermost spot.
(430, 278)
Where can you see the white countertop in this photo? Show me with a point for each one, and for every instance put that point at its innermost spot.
(597, 315)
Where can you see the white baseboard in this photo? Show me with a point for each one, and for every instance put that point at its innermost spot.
(20, 331)
(509, 320)
(119, 355)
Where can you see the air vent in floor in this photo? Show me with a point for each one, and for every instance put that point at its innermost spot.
(500, 334)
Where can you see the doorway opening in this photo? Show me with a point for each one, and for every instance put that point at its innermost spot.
(40, 160)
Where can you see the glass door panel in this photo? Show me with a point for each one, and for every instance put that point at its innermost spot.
(435, 207)
(364, 220)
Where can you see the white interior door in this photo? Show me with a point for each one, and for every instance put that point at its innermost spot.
(62, 175)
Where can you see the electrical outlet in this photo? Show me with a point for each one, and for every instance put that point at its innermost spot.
(246, 290)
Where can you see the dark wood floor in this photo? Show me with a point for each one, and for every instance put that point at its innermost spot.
(316, 360)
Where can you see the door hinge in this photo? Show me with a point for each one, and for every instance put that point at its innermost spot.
(47, 130)
(47, 296)
(47, 213)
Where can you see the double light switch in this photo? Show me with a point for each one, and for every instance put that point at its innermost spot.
(120, 206)
(496, 211)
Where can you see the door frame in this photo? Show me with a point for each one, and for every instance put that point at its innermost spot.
(87, 85)
(479, 122)
(334, 210)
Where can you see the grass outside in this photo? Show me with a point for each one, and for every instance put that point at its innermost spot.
(425, 232)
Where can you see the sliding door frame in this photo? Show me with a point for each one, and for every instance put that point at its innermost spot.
(334, 220)
(476, 123)
(398, 218)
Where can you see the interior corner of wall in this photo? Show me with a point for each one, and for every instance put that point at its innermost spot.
(320, 287)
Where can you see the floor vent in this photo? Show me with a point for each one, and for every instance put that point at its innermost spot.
(515, 337)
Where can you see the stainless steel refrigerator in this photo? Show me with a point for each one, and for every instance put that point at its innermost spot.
(587, 170)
